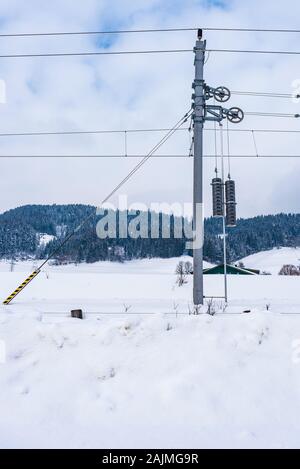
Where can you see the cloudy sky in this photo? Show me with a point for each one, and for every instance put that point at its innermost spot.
(143, 91)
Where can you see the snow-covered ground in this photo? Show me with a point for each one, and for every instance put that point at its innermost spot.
(272, 261)
(139, 371)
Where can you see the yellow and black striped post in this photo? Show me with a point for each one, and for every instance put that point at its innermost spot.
(21, 287)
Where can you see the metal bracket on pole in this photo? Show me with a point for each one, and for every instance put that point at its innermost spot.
(214, 113)
(218, 113)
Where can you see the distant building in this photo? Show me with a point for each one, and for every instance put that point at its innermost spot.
(231, 270)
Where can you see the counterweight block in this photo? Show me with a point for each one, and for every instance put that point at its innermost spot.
(217, 197)
(230, 203)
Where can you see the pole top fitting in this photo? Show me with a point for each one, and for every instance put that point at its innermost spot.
(200, 34)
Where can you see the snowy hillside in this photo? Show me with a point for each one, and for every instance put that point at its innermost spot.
(139, 371)
(272, 261)
(33, 231)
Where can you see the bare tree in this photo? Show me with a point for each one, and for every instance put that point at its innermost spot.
(197, 310)
(211, 307)
(188, 268)
(181, 275)
(126, 307)
(289, 269)
(12, 264)
(175, 308)
(194, 309)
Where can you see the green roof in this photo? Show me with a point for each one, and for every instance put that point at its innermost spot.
(231, 270)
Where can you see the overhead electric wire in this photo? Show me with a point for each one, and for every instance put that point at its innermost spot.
(253, 30)
(148, 130)
(93, 33)
(93, 53)
(266, 94)
(148, 30)
(254, 143)
(140, 52)
(215, 145)
(216, 148)
(191, 150)
(124, 156)
(116, 188)
(149, 155)
(228, 149)
(287, 131)
(254, 51)
(85, 132)
(271, 114)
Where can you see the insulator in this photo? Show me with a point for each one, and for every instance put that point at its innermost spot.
(230, 203)
(217, 197)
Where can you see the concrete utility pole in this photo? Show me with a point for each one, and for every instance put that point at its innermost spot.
(198, 118)
(203, 112)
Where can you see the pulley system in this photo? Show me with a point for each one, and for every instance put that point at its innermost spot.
(221, 94)
(217, 113)
(213, 112)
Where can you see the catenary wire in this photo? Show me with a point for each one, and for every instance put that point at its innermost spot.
(228, 149)
(254, 51)
(140, 52)
(188, 156)
(266, 94)
(271, 114)
(254, 143)
(162, 129)
(149, 30)
(122, 182)
(215, 145)
(93, 53)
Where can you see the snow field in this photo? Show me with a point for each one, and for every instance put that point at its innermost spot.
(166, 379)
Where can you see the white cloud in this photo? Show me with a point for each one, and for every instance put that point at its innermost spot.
(139, 91)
